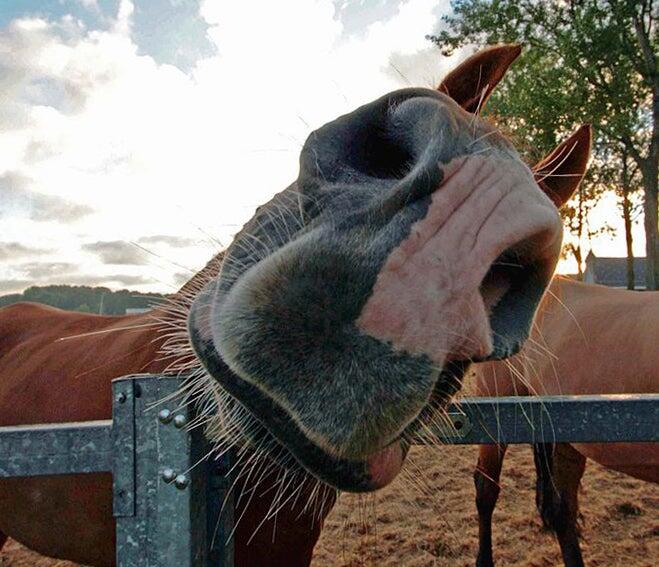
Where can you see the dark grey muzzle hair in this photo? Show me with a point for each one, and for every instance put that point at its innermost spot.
(343, 317)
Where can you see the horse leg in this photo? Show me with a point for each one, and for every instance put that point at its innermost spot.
(486, 479)
(560, 468)
(545, 489)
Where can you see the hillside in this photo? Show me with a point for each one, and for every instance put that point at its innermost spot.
(88, 299)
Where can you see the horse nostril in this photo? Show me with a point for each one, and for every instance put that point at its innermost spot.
(366, 144)
(377, 152)
(513, 287)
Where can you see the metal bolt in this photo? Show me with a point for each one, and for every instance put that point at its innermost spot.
(121, 397)
(181, 481)
(165, 416)
(168, 475)
(180, 420)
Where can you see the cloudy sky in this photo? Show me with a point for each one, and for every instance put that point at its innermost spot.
(137, 136)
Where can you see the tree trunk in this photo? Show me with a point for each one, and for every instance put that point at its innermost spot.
(578, 256)
(651, 225)
(649, 165)
(577, 250)
(627, 217)
(631, 277)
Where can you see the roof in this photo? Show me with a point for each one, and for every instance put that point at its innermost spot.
(613, 271)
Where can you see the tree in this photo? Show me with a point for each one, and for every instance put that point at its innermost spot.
(629, 186)
(575, 218)
(85, 298)
(617, 169)
(589, 61)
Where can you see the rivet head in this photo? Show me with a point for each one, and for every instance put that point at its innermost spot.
(180, 420)
(165, 416)
(181, 481)
(168, 475)
(121, 397)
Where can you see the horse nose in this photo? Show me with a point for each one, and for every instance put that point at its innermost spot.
(391, 150)
(359, 146)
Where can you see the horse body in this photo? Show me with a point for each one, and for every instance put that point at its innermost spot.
(55, 367)
(587, 339)
(44, 379)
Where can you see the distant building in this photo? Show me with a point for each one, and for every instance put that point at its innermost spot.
(613, 271)
(136, 310)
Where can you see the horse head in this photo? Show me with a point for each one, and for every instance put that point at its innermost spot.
(414, 241)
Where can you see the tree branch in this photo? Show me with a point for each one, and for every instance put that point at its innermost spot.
(646, 49)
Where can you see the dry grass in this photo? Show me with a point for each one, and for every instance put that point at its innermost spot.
(435, 524)
(439, 528)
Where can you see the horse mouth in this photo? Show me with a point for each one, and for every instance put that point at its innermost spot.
(373, 472)
(366, 472)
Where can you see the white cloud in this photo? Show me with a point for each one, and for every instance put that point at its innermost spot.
(154, 150)
(89, 4)
(123, 24)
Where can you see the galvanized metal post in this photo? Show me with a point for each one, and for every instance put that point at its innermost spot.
(175, 500)
(134, 473)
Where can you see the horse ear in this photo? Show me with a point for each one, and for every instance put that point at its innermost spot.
(471, 84)
(560, 173)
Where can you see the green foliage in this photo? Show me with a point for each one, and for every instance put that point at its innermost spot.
(84, 298)
(585, 61)
(582, 64)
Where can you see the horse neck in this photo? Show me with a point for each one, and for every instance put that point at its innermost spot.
(564, 294)
(167, 331)
(585, 298)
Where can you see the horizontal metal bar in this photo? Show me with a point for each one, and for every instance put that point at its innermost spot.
(55, 448)
(70, 448)
(550, 419)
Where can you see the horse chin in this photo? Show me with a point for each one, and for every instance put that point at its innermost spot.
(385, 465)
(370, 473)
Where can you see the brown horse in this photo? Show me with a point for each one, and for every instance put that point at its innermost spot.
(56, 366)
(311, 337)
(587, 339)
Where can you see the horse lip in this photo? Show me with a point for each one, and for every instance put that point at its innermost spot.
(385, 465)
(342, 474)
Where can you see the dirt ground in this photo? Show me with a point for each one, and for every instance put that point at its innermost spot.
(430, 520)
(433, 523)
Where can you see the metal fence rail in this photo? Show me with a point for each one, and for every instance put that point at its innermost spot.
(553, 419)
(56, 448)
(167, 499)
